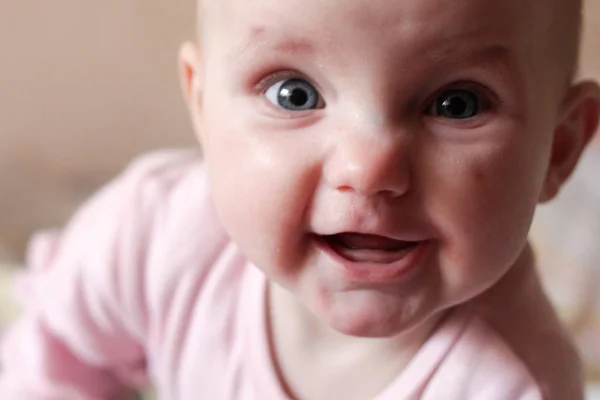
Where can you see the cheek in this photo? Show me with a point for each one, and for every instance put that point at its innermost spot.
(261, 189)
(483, 206)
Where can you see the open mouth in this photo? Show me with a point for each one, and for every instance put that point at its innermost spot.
(365, 248)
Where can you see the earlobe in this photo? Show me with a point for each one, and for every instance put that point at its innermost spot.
(577, 126)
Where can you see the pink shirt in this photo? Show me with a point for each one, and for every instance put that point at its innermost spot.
(144, 282)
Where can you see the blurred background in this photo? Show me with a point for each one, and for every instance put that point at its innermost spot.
(86, 86)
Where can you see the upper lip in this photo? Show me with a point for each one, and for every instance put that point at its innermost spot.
(368, 242)
(404, 237)
(396, 225)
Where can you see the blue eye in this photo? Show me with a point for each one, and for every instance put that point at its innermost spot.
(456, 104)
(293, 95)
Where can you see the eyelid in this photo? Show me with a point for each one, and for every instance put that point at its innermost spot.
(275, 77)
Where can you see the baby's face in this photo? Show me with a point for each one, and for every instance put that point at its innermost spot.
(380, 159)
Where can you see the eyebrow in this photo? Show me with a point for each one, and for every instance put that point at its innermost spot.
(487, 56)
(294, 46)
(255, 41)
(496, 52)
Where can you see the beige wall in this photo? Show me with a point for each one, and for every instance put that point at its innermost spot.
(590, 59)
(84, 85)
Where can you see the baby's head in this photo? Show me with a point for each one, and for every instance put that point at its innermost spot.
(382, 160)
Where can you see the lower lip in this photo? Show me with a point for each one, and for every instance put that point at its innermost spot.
(376, 272)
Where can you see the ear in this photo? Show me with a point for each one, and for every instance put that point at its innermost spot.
(191, 80)
(575, 129)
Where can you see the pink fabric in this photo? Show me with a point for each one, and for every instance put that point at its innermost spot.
(145, 283)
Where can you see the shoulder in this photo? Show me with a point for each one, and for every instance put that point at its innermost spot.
(160, 172)
(182, 250)
(133, 237)
(480, 365)
(125, 212)
(180, 224)
(175, 230)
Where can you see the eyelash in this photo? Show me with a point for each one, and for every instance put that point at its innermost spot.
(487, 97)
(271, 79)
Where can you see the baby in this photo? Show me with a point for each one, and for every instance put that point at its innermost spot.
(357, 229)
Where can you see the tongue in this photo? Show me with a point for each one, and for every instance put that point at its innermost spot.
(358, 241)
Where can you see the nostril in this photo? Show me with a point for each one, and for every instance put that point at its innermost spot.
(345, 189)
(384, 192)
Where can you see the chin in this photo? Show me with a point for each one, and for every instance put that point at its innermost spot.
(368, 330)
(378, 321)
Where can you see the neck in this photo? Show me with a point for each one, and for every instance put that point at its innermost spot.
(304, 346)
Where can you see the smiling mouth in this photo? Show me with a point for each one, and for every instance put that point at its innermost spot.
(365, 248)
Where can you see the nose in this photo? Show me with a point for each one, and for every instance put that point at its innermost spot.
(370, 164)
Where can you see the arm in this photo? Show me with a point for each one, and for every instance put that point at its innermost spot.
(83, 334)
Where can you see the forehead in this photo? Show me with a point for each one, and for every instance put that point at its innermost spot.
(352, 34)
(353, 20)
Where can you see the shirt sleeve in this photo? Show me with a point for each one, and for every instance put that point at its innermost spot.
(82, 335)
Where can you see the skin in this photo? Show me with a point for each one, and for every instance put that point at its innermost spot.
(373, 158)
